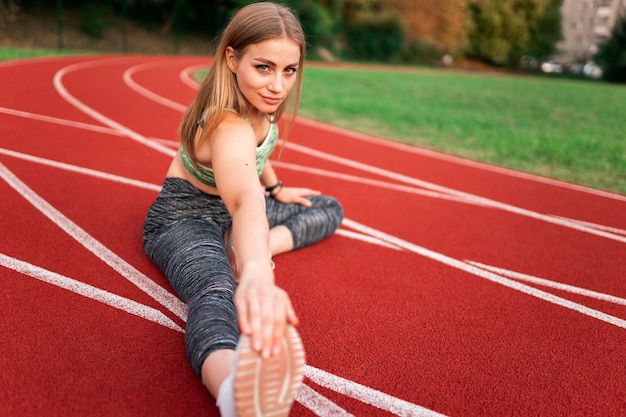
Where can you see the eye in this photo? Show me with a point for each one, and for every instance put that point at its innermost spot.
(291, 70)
(263, 68)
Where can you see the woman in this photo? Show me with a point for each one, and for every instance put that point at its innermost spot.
(213, 229)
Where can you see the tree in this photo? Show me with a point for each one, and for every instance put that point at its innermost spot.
(546, 31)
(316, 17)
(372, 32)
(9, 9)
(440, 23)
(501, 31)
(494, 29)
(611, 55)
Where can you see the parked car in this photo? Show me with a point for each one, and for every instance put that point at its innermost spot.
(552, 67)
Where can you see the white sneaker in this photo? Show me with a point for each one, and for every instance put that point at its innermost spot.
(267, 386)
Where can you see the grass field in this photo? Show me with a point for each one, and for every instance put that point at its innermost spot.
(572, 130)
(17, 53)
(566, 129)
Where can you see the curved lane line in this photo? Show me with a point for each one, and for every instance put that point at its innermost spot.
(186, 75)
(461, 161)
(128, 80)
(477, 199)
(375, 183)
(58, 121)
(167, 299)
(551, 284)
(368, 395)
(89, 291)
(58, 84)
(318, 404)
(80, 170)
(482, 273)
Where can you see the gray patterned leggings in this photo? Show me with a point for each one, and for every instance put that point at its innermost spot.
(183, 235)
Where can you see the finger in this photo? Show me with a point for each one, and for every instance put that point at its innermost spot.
(292, 317)
(279, 326)
(308, 191)
(255, 320)
(305, 202)
(267, 324)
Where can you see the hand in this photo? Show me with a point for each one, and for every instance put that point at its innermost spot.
(295, 195)
(264, 312)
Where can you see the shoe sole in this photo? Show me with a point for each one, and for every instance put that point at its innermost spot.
(267, 386)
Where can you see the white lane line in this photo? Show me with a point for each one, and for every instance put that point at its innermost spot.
(80, 125)
(366, 238)
(481, 273)
(610, 229)
(478, 200)
(375, 183)
(152, 187)
(318, 404)
(128, 79)
(125, 269)
(367, 395)
(91, 292)
(550, 284)
(80, 170)
(58, 84)
(63, 122)
(186, 75)
(168, 142)
(458, 160)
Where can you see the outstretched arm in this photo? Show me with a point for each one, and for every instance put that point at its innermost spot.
(264, 310)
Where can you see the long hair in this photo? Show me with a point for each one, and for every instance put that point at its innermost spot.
(219, 91)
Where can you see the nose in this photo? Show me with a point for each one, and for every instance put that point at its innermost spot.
(276, 85)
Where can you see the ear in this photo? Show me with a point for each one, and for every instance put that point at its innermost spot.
(231, 60)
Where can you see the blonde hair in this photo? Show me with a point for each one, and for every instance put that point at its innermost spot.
(219, 91)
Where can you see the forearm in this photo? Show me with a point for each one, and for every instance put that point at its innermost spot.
(268, 176)
(250, 233)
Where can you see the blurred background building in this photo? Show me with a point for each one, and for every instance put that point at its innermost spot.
(586, 24)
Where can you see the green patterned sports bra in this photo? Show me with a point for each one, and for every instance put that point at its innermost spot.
(206, 175)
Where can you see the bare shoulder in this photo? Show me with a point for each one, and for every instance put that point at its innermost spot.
(233, 131)
(232, 123)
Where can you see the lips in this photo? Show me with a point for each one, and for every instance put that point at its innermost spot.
(272, 100)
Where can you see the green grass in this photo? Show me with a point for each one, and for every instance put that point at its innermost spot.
(19, 53)
(566, 129)
(572, 130)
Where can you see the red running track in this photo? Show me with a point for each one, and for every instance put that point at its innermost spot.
(452, 288)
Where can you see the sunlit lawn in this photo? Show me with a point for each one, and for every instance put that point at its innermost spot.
(573, 130)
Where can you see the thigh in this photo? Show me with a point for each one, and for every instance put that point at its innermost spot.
(191, 255)
(278, 212)
(306, 224)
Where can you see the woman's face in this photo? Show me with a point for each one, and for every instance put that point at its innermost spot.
(266, 72)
